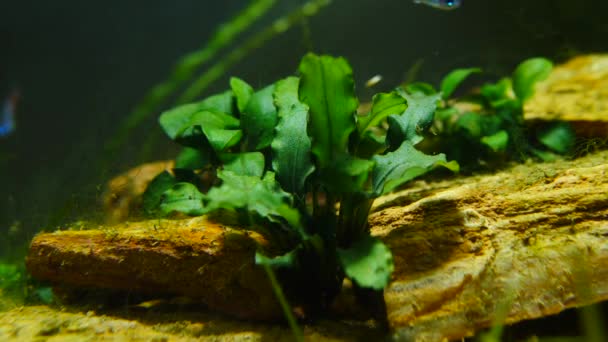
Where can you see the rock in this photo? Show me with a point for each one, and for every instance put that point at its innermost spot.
(524, 243)
(577, 92)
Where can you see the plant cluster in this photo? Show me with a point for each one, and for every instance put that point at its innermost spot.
(488, 125)
(295, 162)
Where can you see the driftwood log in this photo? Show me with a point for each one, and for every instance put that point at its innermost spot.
(192, 257)
(524, 243)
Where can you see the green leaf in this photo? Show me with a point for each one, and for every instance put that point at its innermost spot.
(497, 142)
(383, 105)
(152, 196)
(249, 164)
(327, 87)
(420, 88)
(410, 125)
(175, 120)
(346, 175)
(287, 260)
(184, 198)
(371, 144)
(368, 262)
(242, 91)
(261, 196)
(291, 145)
(559, 137)
(191, 159)
(259, 119)
(497, 93)
(454, 79)
(403, 165)
(527, 74)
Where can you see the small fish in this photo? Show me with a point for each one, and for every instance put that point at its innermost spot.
(373, 81)
(7, 117)
(441, 4)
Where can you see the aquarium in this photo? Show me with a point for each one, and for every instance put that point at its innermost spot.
(316, 170)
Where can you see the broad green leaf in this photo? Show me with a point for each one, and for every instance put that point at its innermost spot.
(497, 142)
(403, 165)
(191, 159)
(454, 79)
(221, 103)
(286, 260)
(184, 198)
(410, 125)
(497, 93)
(476, 125)
(152, 196)
(559, 137)
(420, 88)
(242, 91)
(259, 119)
(261, 196)
(347, 174)
(327, 87)
(527, 74)
(176, 120)
(249, 164)
(368, 262)
(222, 139)
(291, 158)
(383, 105)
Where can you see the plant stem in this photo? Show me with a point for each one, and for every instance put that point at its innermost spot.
(278, 291)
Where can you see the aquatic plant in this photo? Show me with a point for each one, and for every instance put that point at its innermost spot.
(295, 162)
(489, 125)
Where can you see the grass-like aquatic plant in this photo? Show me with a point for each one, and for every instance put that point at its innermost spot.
(295, 162)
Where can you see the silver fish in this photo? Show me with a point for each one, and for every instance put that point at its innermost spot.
(441, 4)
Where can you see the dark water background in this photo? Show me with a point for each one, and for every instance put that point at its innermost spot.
(81, 66)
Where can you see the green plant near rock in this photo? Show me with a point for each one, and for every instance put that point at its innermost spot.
(489, 124)
(296, 163)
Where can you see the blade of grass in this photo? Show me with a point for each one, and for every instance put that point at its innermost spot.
(279, 26)
(186, 67)
(278, 291)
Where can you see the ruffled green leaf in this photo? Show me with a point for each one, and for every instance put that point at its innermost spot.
(410, 125)
(184, 198)
(454, 79)
(242, 91)
(383, 105)
(263, 197)
(368, 262)
(327, 87)
(259, 119)
(248, 164)
(404, 164)
(291, 145)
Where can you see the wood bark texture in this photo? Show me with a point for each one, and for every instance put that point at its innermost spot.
(522, 244)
